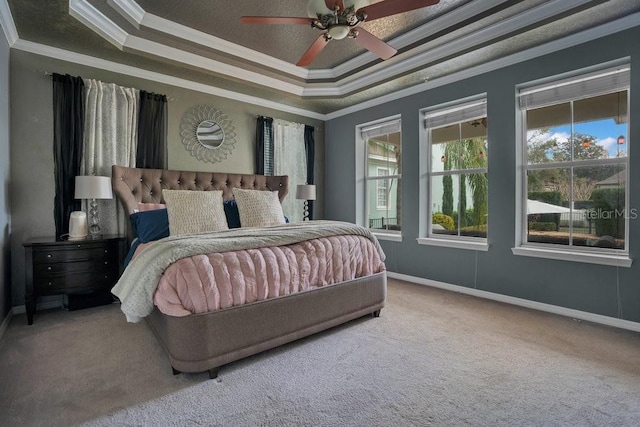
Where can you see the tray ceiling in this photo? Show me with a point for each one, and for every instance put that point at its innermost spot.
(203, 42)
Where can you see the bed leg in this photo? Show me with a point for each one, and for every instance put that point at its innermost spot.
(175, 371)
(376, 313)
(213, 373)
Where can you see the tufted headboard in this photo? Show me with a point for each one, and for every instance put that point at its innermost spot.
(134, 185)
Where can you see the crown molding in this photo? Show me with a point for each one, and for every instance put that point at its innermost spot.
(8, 26)
(613, 27)
(440, 23)
(135, 14)
(84, 12)
(207, 64)
(90, 61)
(343, 87)
(130, 10)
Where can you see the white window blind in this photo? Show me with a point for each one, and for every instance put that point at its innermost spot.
(588, 85)
(456, 114)
(381, 129)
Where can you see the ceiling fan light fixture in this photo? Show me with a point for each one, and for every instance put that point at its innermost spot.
(339, 32)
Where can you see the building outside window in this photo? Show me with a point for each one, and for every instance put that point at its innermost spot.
(383, 189)
(383, 197)
(575, 145)
(456, 165)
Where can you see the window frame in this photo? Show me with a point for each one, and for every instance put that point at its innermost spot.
(562, 85)
(426, 235)
(384, 180)
(363, 179)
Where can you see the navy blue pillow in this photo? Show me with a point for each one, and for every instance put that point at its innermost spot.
(232, 214)
(150, 225)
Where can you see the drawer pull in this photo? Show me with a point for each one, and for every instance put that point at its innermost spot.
(49, 268)
(49, 284)
(49, 255)
(106, 251)
(106, 276)
(106, 262)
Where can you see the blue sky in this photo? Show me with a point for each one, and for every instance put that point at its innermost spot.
(605, 131)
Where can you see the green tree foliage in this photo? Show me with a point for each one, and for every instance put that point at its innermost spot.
(460, 155)
(608, 211)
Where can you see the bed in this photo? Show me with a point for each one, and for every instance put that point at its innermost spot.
(205, 341)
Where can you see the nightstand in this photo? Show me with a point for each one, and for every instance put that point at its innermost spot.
(70, 267)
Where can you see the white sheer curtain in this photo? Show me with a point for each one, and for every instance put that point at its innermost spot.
(110, 137)
(290, 159)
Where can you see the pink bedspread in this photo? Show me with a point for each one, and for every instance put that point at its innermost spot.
(203, 283)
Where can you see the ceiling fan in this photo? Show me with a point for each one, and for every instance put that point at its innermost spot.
(338, 19)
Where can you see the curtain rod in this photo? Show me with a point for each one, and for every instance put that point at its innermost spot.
(49, 73)
(260, 115)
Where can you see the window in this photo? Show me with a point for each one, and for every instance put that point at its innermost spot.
(456, 164)
(382, 144)
(574, 143)
(383, 188)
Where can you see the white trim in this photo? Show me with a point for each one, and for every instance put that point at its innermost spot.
(8, 26)
(84, 12)
(455, 243)
(208, 64)
(534, 305)
(89, 61)
(621, 260)
(129, 9)
(613, 27)
(5, 323)
(416, 58)
(393, 237)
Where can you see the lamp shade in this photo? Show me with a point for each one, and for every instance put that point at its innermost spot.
(306, 192)
(93, 187)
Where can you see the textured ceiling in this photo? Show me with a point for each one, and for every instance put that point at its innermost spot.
(203, 41)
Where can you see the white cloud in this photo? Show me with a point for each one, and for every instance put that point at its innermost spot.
(607, 143)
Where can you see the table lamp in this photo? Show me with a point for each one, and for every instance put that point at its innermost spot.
(306, 192)
(93, 187)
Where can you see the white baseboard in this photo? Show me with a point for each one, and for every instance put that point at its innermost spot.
(562, 311)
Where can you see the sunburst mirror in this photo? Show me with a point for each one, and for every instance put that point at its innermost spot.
(207, 133)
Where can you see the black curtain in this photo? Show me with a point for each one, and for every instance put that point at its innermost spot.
(152, 131)
(264, 145)
(310, 150)
(68, 131)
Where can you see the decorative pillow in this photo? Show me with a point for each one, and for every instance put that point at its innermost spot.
(194, 211)
(150, 225)
(231, 211)
(143, 207)
(258, 208)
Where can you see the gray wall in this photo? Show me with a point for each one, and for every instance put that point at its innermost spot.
(5, 204)
(586, 287)
(32, 185)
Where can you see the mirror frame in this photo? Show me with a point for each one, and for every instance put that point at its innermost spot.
(189, 127)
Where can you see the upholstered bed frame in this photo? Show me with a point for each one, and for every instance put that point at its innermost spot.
(204, 342)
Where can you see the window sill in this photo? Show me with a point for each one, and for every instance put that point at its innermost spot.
(458, 244)
(621, 260)
(393, 237)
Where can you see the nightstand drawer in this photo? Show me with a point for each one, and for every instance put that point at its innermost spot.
(46, 269)
(55, 284)
(87, 267)
(48, 255)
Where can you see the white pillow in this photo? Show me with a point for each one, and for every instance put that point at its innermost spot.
(194, 211)
(258, 208)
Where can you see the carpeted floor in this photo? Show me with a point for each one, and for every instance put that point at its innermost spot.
(432, 358)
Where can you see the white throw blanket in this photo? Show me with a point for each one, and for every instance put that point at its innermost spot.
(136, 287)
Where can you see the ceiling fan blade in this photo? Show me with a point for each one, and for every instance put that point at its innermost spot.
(374, 44)
(393, 7)
(313, 51)
(274, 20)
(331, 4)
